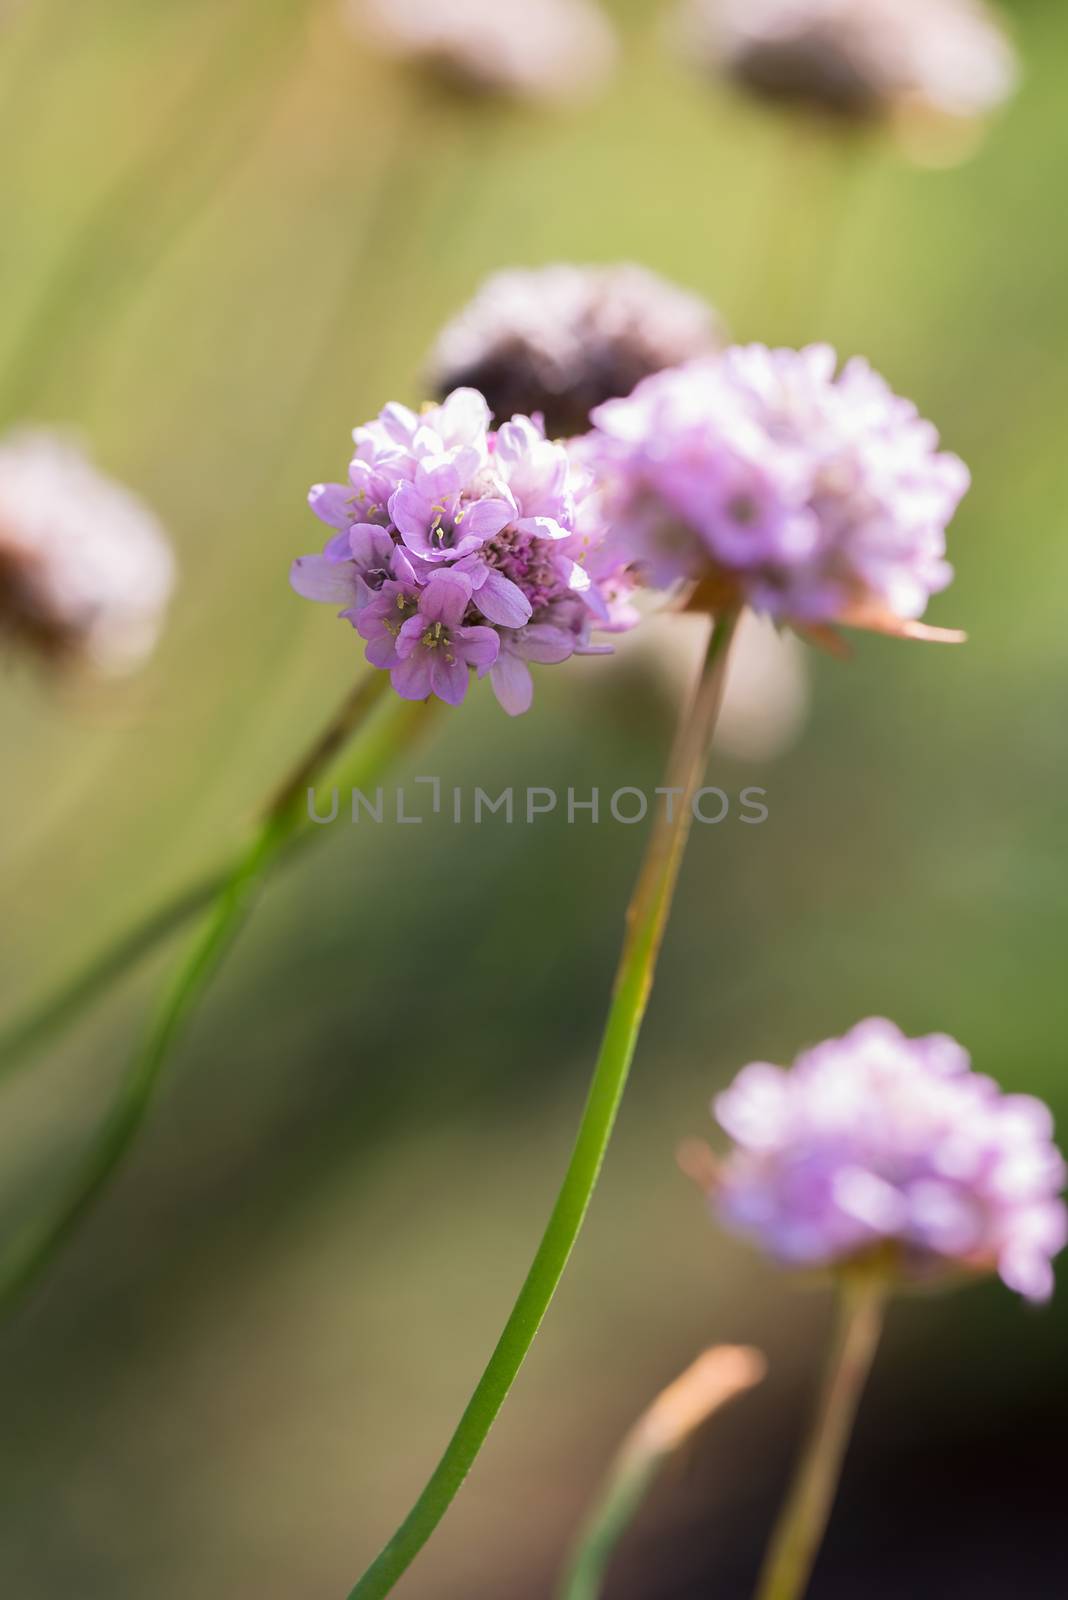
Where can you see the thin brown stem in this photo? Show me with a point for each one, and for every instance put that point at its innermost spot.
(803, 1520)
(357, 705)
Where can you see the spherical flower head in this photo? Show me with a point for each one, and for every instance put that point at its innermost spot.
(557, 341)
(85, 567)
(554, 50)
(861, 59)
(458, 547)
(769, 479)
(877, 1147)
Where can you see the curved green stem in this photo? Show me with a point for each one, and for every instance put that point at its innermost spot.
(646, 923)
(41, 1241)
(24, 1036)
(803, 1521)
(34, 1250)
(713, 1380)
(48, 1018)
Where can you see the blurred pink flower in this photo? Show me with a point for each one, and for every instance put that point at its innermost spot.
(86, 570)
(556, 341)
(548, 50)
(875, 1144)
(860, 58)
(769, 479)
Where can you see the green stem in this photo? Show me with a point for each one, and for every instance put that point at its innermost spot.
(632, 1478)
(287, 802)
(30, 1254)
(27, 1034)
(21, 1039)
(34, 1251)
(646, 923)
(713, 1380)
(803, 1520)
(803, 223)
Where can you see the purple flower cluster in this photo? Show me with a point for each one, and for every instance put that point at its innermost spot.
(458, 548)
(876, 1143)
(811, 496)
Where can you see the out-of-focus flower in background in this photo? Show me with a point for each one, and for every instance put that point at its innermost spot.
(864, 60)
(458, 546)
(86, 570)
(767, 698)
(548, 50)
(558, 340)
(770, 480)
(879, 1146)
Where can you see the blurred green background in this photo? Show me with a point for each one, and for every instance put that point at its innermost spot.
(229, 234)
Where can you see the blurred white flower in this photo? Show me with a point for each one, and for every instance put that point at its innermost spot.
(561, 339)
(85, 567)
(766, 704)
(533, 49)
(860, 58)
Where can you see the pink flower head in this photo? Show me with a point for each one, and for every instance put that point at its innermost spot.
(883, 1146)
(510, 520)
(814, 497)
(434, 649)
